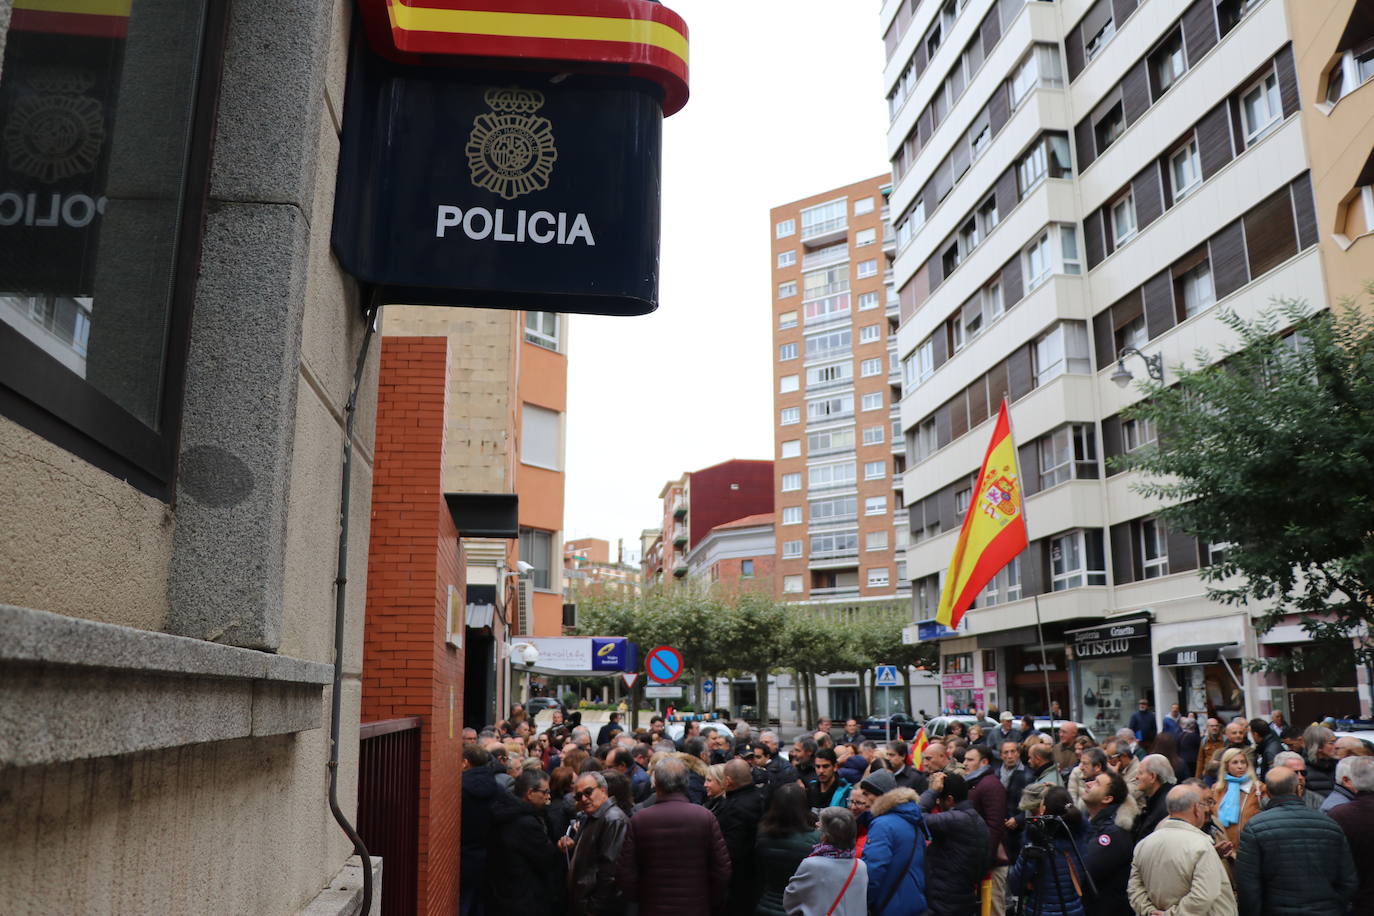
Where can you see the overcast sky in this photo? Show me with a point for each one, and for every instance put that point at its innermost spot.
(787, 101)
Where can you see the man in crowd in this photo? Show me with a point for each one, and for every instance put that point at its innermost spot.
(851, 735)
(959, 850)
(1350, 746)
(1005, 731)
(1154, 779)
(657, 730)
(1293, 859)
(1131, 742)
(1065, 754)
(1108, 842)
(1298, 764)
(739, 814)
(1014, 774)
(478, 790)
(803, 757)
(1212, 742)
(823, 739)
(523, 871)
(601, 829)
(829, 790)
(1347, 783)
(1175, 869)
(557, 721)
(895, 849)
(1143, 723)
(989, 798)
(1042, 768)
(1267, 745)
(1092, 762)
(1121, 760)
(623, 761)
(1235, 737)
(582, 737)
(905, 776)
(1281, 728)
(674, 852)
(853, 767)
(720, 749)
(934, 759)
(1356, 819)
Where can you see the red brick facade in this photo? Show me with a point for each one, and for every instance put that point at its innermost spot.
(414, 558)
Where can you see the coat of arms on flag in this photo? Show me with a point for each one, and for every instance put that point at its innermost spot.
(999, 500)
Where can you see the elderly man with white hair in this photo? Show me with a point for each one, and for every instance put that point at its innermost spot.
(1347, 787)
(1295, 762)
(1155, 778)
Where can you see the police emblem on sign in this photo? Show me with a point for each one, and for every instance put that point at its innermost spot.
(511, 150)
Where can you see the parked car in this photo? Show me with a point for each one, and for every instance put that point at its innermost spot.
(674, 730)
(536, 705)
(876, 727)
(938, 726)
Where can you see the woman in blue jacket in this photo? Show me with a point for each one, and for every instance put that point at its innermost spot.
(1050, 877)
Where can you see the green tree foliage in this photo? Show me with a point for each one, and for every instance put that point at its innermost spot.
(1271, 452)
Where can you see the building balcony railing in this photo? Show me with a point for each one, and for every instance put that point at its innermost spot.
(831, 254)
(829, 418)
(680, 509)
(810, 294)
(680, 539)
(837, 553)
(821, 355)
(680, 569)
(824, 228)
(836, 591)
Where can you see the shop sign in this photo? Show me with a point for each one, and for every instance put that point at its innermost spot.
(989, 678)
(956, 681)
(1126, 638)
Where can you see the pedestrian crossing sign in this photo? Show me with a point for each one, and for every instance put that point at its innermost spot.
(887, 676)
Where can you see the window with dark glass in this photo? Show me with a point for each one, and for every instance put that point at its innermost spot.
(1109, 127)
(1167, 64)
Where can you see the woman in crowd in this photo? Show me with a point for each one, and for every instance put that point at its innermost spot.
(1319, 747)
(1166, 746)
(786, 835)
(1238, 794)
(715, 786)
(1051, 880)
(619, 790)
(956, 730)
(562, 808)
(832, 880)
(859, 803)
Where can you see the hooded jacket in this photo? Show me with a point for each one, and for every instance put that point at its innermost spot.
(957, 857)
(895, 837)
(853, 769)
(524, 870)
(1106, 848)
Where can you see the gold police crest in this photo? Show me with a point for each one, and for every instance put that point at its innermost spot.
(511, 150)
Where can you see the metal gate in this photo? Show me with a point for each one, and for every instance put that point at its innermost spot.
(389, 806)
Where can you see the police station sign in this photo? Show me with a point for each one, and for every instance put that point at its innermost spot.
(525, 187)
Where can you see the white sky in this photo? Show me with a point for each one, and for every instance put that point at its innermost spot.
(787, 101)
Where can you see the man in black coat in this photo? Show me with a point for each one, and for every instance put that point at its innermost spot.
(1267, 745)
(1154, 778)
(959, 851)
(524, 870)
(1107, 843)
(739, 815)
(479, 788)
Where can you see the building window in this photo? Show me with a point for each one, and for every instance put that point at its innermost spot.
(787, 258)
(1167, 63)
(536, 549)
(787, 320)
(829, 376)
(746, 569)
(784, 228)
(1137, 434)
(1217, 552)
(1154, 549)
(875, 470)
(1260, 109)
(1185, 169)
(789, 383)
(825, 346)
(827, 217)
(830, 408)
(1123, 218)
(1076, 559)
(1067, 453)
(1040, 67)
(868, 301)
(541, 329)
(870, 367)
(877, 578)
(789, 415)
(1004, 587)
(866, 269)
(831, 475)
(834, 545)
(791, 515)
(962, 499)
(829, 440)
(872, 401)
(873, 435)
(787, 290)
(791, 482)
(875, 540)
(1354, 68)
(1093, 44)
(870, 334)
(1131, 334)
(1112, 125)
(787, 351)
(926, 440)
(1197, 289)
(863, 205)
(791, 585)
(1037, 258)
(791, 549)
(1063, 348)
(865, 237)
(833, 510)
(988, 217)
(1068, 249)
(791, 448)
(541, 437)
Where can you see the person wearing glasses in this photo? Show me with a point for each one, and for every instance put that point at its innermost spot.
(1175, 869)
(523, 872)
(594, 847)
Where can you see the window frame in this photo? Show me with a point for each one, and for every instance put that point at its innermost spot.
(793, 412)
(868, 470)
(875, 364)
(1124, 204)
(1269, 93)
(792, 550)
(784, 228)
(787, 258)
(866, 402)
(790, 482)
(1188, 152)
(865, 269)
(1156, 566)
(787, 289)
(787, 351)
(1081, 574)
(788, 512)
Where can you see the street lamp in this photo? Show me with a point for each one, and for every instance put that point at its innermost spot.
(1154, 367)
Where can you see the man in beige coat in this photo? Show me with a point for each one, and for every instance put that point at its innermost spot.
(1176, 870)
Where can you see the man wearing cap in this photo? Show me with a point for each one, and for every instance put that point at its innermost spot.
(1004, 732)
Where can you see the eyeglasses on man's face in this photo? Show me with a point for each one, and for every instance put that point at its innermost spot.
(584, 793)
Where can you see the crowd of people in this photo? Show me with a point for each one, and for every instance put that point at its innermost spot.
(1252, 817)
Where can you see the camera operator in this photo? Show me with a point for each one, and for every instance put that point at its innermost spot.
(1049, 874)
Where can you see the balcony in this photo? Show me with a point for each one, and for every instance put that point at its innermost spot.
(680, 539)
(680, 509)
(680, 568)
(823, 257)
(821, 354)
(836, 591)
(825, 232)
(847, 557)
(812, 293)
(829, 418)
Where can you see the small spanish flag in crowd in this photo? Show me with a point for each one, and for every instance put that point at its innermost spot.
(918, 746)
(994, 529)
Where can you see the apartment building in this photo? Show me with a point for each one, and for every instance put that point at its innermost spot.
(698, 501)
(737, 556)
(841, 530)
(1074, 181)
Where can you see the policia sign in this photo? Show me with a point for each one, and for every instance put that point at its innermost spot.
(533, 186)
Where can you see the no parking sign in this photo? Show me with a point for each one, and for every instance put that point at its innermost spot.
(663, 665)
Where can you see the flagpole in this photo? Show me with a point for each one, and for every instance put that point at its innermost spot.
(1039, 628)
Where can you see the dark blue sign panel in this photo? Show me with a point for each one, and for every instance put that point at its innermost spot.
(505, 190)
(932, 629)
(611, 654)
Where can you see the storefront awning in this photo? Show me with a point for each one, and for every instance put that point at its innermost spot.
(1193, 655)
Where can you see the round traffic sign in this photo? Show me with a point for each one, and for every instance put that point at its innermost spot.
(707, 686)
(663, 665)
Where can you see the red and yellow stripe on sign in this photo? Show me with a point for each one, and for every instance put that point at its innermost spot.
(647, 38)
(97, 18)
(994, 530)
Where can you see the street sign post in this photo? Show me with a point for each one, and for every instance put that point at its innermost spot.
(663, 665)
(887, 679)
(629, 677)
(707, 686)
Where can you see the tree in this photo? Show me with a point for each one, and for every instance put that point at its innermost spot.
(1268, 456)
(753, 630)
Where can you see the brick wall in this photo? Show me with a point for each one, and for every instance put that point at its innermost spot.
(414, 558)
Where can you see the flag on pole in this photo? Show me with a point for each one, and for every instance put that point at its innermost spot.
(994, 530)
(918, 747)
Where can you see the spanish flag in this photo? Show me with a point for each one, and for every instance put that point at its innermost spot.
(994, 529)
(918, 747)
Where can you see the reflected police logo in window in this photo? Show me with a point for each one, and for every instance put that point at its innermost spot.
(57, 131)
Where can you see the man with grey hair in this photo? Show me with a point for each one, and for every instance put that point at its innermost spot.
(595, 848)
(1356, 818)
(1132, 743)
(582, 737)
(1350, 773)
(1175, 869)
(1295, 762)
(674, 851)
(1293, 859)
(1154, 779)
